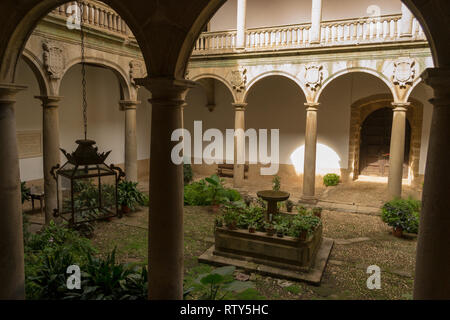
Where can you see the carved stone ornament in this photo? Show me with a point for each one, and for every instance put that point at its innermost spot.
(239, 79)
(313, 76)
(54, 60)
(136, 71)
(404, 72)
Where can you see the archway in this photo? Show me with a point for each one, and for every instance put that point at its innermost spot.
(361, 110)
(375, 144)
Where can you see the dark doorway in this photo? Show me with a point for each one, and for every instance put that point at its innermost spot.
(376, 143)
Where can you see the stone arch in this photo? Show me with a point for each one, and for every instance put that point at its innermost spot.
(372, 72)
(38, 70)
(271, 74)
(218, 78)
(361, 109)
(127, 92)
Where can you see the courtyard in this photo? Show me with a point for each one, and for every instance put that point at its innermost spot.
(360, 240)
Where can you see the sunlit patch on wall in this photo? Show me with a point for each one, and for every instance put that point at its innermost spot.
(327, 160)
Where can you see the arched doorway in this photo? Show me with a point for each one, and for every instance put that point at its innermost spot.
(376, 142)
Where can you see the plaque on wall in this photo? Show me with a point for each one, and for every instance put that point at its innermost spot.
(29, 144)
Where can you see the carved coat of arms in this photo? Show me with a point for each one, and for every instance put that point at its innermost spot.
(54, 61)
(239, 79)
(404, 72)
(313, 76)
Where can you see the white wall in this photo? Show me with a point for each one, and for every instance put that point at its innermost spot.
(263, 13)
(106, 123)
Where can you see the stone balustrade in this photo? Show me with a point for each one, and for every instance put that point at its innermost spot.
(96, 15)
(333, 33)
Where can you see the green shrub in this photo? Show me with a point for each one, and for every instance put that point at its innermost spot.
(188, 174)
(276, 183)
(208, 192)
(130, 195)
(400, 213)
(331, 180)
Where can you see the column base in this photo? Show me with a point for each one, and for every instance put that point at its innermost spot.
(308, 200)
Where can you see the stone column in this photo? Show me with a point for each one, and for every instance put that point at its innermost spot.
(50, 137)
(239, 144)
(241, 24)
(131, 165)
(309, 174)
(432, 277)
(316, 19)
(397, 153)
(406, 23)
(12, 278)
(166, 191)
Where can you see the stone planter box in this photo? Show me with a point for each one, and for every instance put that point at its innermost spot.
(286, 253)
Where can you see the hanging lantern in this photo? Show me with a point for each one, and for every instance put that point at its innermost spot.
(86, 185)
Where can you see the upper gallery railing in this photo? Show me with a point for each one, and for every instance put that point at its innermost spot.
(96, 15)
(333, 33)
(384, 29)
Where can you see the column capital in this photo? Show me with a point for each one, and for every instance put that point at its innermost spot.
(312, 106)
(240, 106)
(128, 104)
(49, 101)
(439, 80)
(401, 106)
(166, 91)
(8, 92)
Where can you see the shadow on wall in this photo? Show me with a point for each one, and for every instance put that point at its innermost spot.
(327, 160)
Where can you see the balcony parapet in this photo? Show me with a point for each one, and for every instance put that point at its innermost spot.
(348, 32)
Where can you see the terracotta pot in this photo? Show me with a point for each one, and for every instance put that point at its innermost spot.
(280, 234)
(125, 209)
(270, 232)
(397, 232)
(251, 230)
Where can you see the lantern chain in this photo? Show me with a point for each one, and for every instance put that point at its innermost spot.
(83, 67)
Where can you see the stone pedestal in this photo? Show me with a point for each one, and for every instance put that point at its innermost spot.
(166, 191)
(432, 276)
(50, 137)
(239, 144)
(131, 166)
(397, 153)
(309, 175)
(12, 278)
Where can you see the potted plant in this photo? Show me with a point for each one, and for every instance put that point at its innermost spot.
(276, 183)
(130, 197)
(219, 222)
(216, 192)
(317, 211)
(270, 230)
(230, 219)
(289, 205)
(402, 216)
(280, 229)
(252, 227)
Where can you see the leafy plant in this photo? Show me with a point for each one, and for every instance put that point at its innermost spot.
(220, 285)
(289, 205)
(188, 174)
(209, 191)
(26, 192)
(331, 180)
(400, 213)
(130, 196)
(276, 183)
